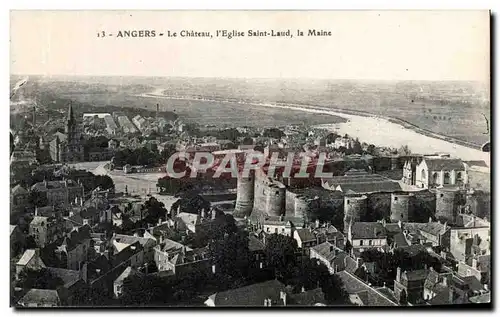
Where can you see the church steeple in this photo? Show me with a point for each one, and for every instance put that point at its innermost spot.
(71, 116)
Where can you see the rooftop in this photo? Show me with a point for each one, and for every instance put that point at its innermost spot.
(368, 230)
(440, 164)
(251, 295)
(354, 285)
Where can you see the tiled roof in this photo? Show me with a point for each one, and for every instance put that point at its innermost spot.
(371, 296)
(27, 256)
(254, 244)
(251, 295)
(416, 275)
(129, 271)
(41, 297)
(363, 183)
(305, 235)
(440, 164)
(484, 298)
(307, 298)
(68, 276)
(399, 240)
(368, 230)
(38, 220)
(18, 190)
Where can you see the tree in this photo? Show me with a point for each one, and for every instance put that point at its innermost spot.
(404, 150)
(273, 133)
(230, 254)
(42, 279)
(38, 198)
(155, 210)
(247, 141)
(280, 252)
(371, 150)
(356, 147)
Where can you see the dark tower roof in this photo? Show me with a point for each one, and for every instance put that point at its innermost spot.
(71, 115)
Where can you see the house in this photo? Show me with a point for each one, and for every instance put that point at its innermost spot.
(59, 192)
(432, 233)
(40, 298)
(334, 258)
(73, 249)
(465, 242)
(305, 238)
(256, 248)
(362, 294)
(118, 282)
(435, 283)
(477, 266)
(131, 255)
(45, 230)
(19, 198)
(30, 260)
(329, 233)
(148, 242)
(188, 221)
(180, 259)
(363, 235)
(409, 286)
(72, 282)
(16, 240)
(269, 293)
(436, 171)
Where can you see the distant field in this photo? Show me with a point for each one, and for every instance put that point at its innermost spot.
(451, 108)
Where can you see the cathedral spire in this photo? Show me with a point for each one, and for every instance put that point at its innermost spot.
(71, 116)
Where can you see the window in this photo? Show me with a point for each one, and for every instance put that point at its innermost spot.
(435, 178)
(369, 242)
(348, 201)
(395, 198)
(446, 178)
(360, 242)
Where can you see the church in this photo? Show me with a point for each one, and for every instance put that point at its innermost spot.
(68, 146)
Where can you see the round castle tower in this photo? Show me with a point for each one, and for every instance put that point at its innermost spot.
(401, 206)
(244, 195)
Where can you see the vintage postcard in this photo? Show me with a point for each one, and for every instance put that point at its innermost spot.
(250, 158)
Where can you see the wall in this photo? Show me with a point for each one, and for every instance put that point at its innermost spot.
(401, 207)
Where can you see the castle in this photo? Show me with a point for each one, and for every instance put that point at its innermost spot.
(67, 147)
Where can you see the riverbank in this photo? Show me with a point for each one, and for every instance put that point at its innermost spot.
(381, 131)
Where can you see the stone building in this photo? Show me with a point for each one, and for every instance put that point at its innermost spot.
(68, 146)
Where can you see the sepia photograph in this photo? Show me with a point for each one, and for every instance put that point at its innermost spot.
(205, 159)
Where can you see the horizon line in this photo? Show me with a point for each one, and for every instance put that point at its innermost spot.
(257, 78)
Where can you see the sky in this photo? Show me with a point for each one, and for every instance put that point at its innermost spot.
(387, 45)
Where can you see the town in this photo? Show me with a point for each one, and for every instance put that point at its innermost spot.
(96, 220)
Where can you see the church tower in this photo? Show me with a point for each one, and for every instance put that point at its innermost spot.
(74, 148)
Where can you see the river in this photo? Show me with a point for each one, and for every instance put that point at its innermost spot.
(370, 129)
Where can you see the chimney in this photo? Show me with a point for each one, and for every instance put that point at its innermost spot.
(400, 224)
(269, 302)
(444, 281)
(303, 289)
(474, 263)
(317, 223)
(398, 274)
(383, 222)
(36, 211)
(283, 297)
(159, 221)
(358, 262)
(265, 302)
(430, 219)
(71, 213)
